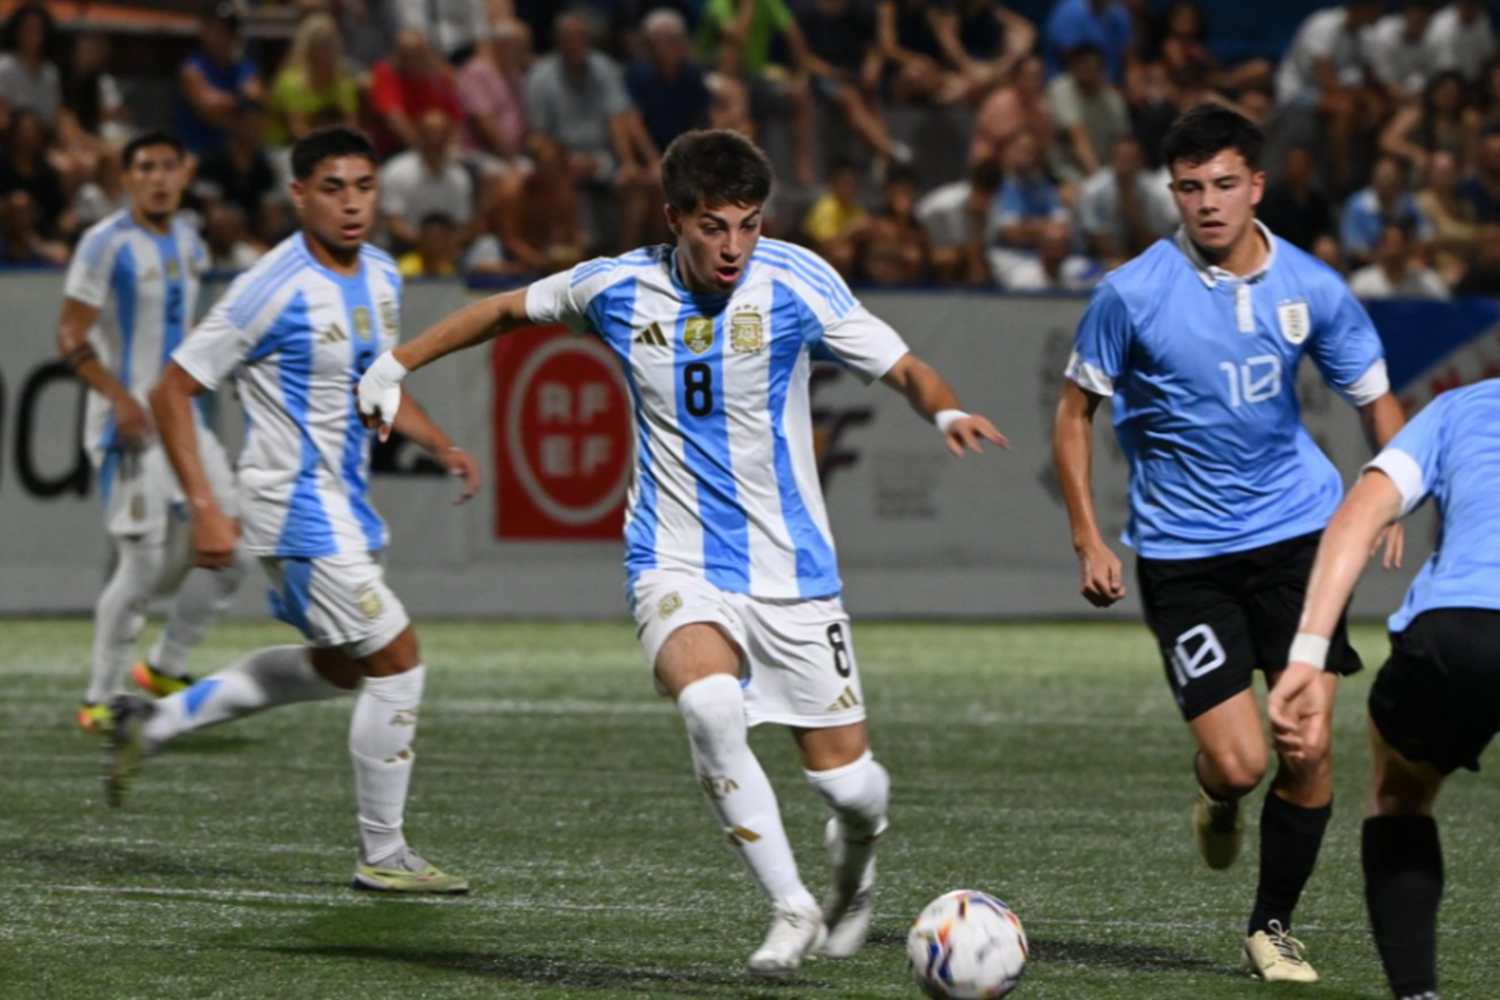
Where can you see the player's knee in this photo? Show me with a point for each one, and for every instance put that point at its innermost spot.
(714, 710)
(1240, 772)
(1397, 792)
(858, 793)
(139, 568)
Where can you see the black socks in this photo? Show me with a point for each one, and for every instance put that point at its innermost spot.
(1403, 863)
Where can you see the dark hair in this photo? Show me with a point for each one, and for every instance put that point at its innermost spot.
(146, 141)
(985, 175)
(901, 174)
(1203, 132)
(10, 36)
(438, 219)
(328, 144)
(1083, 49)
(716, 167)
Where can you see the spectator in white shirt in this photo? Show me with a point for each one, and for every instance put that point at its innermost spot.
(1463, 38)
(1398, 53)
(1395, 274)
(1124, 208)
(956, 217)
(1088, 113)
(1053, 268)
(426, 181)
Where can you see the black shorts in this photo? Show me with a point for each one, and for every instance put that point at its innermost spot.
(1437, 699)
(1220, 618)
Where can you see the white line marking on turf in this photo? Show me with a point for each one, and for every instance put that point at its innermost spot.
(342, 898)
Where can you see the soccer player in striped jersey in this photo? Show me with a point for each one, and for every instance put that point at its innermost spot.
(297, 330)
(131, 292)
(729, 560)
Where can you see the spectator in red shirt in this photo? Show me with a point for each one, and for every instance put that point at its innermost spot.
(412, 81)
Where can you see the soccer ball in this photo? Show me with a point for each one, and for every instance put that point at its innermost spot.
(967, 945)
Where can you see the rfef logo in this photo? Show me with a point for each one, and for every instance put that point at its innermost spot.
(562, 433)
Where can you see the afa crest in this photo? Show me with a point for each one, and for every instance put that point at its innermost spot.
(174, 269)
(369, 603)
(747, 334)
(1295, 320)
(698, 334)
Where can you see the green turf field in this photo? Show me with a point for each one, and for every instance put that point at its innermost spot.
(1044, 763)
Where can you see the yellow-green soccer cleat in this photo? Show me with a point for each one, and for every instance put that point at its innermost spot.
(124, 751)
(94, 719)
(1274, 956)
(1219, 829)
(406, 872)
(155, 682)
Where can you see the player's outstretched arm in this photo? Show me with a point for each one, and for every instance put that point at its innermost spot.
(413, 422)
(1298, 705)
(215, 535)
(132, 424)
(934, 399)
(1073, 454)
(380, 389)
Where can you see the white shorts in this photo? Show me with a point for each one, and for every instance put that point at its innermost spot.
(337, 601)
(140, 491)
(797, 660)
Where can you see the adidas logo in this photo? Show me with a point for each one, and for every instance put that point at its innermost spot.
(846, 700)
(332, 335)
(651, 336)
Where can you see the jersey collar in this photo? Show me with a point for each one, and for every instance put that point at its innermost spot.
(1212, 274)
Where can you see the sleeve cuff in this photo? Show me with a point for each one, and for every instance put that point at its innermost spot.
(1403, 470)
(193, 367)
(883, 367)
(1089, 377)
(1370, 386)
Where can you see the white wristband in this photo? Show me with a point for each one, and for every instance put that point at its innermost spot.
(1309, 648)
(947, 418)
(387, 370)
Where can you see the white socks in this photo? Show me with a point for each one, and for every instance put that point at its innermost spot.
(120, 614)
(859, 795)
(380, 736)
(737, 788)
(201, 598)
(280, 675)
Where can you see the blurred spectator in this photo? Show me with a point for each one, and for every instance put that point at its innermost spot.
(1483, 189)
(213, 82)
(1483, 278)
(313, 84)
(668, 86)
(1054, 267)
(29, 80)
(1028, 199)
(453, 27)
(104, 193)
(1386, 201)
(835, 222)
(1089, 114)
(536, 214)
(628, 21)
(426, 181)
(492, 90)
(24, 169)
(1020, 106)
(909, 46)
(1487, 98)
(844, 61)
(436, 252)
(413, 81)
(240, 174)
(1398, 52)
(227, 235)
(21, 241)
(367, 29)
(982, 41)
(1463, 38)
(90, 94)
(1454, 223)
(1395, 274)
(1178, 44)
(1124, 208)
(895, 249)
(1324, 74)
(956, 217)
(737, 38)
(1296, 209)
(1104, 24)
(1442, 120)
(577, 96)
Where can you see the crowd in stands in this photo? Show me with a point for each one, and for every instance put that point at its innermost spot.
(520, 136)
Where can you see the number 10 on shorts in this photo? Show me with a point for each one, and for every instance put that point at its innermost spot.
(1198, 652)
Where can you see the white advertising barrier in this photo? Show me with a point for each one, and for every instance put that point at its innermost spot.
(919, 533)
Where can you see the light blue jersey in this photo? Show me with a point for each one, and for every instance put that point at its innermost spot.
(726, 484)
(1451, 452)
(297, 337)
(1202, 366)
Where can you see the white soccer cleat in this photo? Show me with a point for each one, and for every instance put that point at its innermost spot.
(795, 934)
(1275, 956)
(848, 909)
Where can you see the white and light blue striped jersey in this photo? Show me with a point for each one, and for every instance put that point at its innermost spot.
(1451, 452)
(145, 287)
(725, 484)
(1202, 366)
(298, 336)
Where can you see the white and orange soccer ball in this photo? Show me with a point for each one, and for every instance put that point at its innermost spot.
(967, 945)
